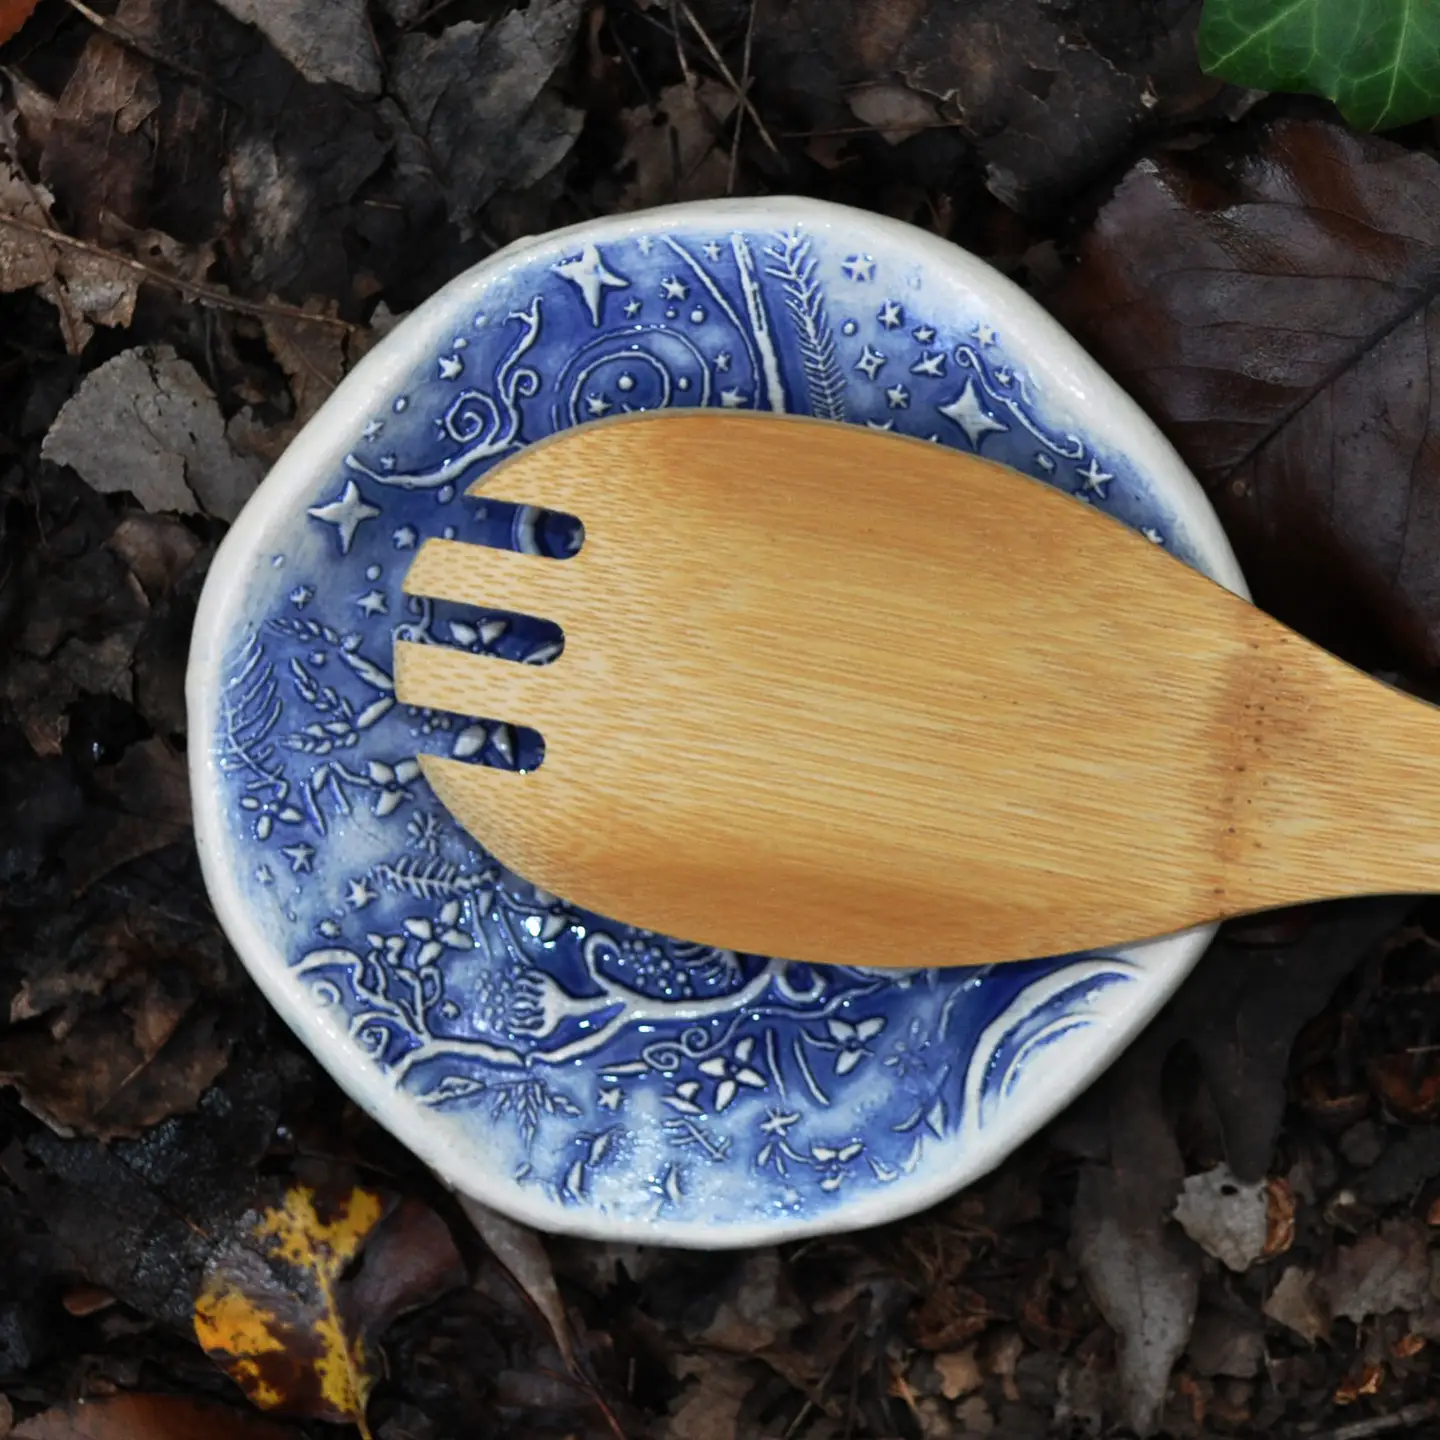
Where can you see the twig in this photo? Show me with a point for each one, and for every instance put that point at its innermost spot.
(740, 114)
(195, 289)
(725, 72)
(1403, 1419)
(815, 1395)
(869, 129)
(677, 176)
(680, 54)
(426, 16)
(629, 59)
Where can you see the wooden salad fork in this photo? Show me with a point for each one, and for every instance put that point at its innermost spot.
(838, 695)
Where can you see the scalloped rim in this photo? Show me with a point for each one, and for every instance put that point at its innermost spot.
(1072, 380)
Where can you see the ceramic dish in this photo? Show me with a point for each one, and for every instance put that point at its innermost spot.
(568, 1071)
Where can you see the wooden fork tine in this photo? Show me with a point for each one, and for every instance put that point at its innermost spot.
(493, 579)
(530, 478)
(436, 677)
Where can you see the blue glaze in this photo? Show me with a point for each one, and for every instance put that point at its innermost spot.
(597, 1069)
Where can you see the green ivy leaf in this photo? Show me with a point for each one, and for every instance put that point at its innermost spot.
(1379, 60)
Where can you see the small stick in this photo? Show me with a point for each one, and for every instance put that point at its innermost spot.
(1403, 1419)
(197, 290)
(740, 114)
(726, 73)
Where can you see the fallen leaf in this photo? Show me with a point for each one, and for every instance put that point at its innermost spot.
(146, 423)
(38, 698)
(1279, 1217)
(1379, 60)
(100, 667)
(87, 1300)
(1144, 1279)
(325, 40)
(708, 1409)
(97, 157)
(132, 1031)
(1241, 1011)
(150, 791)
(1225, 1217)
(1275, 310)
(140, 1218)
(13, 14)
(312, 356)
(476, 94)
(272, 175)
(1407, 1084)
(671, 151)
(521, 1251)
(409, 1261)
(87, 289)
(1401, 1172)
(1389, 1270)
(148, 1417)
(1223, 1342)
(1045, 95)
(1367, 1381)
(959, 1372)
(157, 548)
(279, 1315)
(160, 656)
(755, 1310)
(896, 111)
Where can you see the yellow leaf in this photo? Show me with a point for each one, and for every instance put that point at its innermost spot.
(270, 1309)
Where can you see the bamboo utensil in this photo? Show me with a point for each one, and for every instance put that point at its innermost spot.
(817, 678)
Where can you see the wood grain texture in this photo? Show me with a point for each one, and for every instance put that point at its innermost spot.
(821, 686)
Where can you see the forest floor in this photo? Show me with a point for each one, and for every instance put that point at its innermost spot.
(1230, 1235)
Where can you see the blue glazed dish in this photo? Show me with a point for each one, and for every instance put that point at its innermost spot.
(571, 1072)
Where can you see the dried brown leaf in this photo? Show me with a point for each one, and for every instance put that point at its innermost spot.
(1279, 1216)
(13, 14)
(1224, 1342)
(673, 148)
(477, 95)
(86, 289)
(521, 1251)
(1143, 1282)
(709, 1408)
(1225, 1217)
(145, 422)
(959, 1373)
(1276, 310)
(325, 40)
(38, 698)
(148, 1417)
(1389, 1270)
(1046, 95)
(312, 356)
(157, 548)
(757, 1308)
(132, 1030)
(96, 158)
